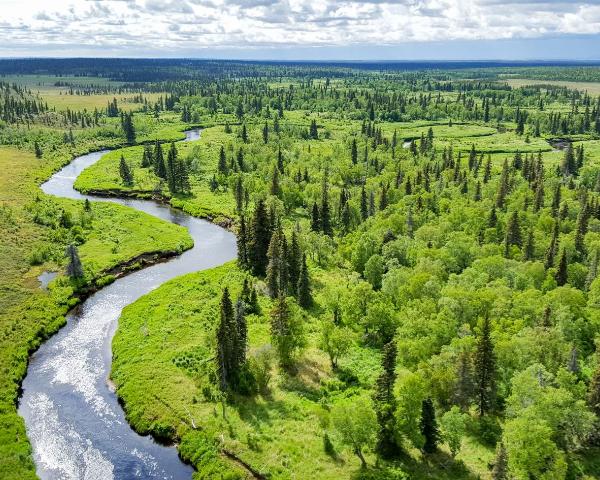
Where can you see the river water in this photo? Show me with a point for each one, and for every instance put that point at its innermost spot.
(74, 422)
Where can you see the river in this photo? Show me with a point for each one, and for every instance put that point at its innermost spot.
(74, 422)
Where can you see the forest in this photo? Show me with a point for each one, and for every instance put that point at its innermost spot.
(416, 291)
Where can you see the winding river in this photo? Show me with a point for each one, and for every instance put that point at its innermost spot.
(74, 422)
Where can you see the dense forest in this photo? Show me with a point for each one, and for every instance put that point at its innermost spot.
(416, 292)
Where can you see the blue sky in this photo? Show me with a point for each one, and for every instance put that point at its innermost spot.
(301, 29)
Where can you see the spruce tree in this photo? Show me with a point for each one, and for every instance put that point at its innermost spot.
(552, 248)
(275, 189)
(294, 262)
(364, 209)
(171, 168)
(159, 161)
(125, 172)
(354, 152)
(581, 229)
(242, 244)
(385, 403)
(260, 238)
(429, 427)
(304, 295)
(226, 356)
(485, 369)
(324, 211)
(529, 248)
(274, 268)
(128, 128)
(222, 165)
(561, 276)
(315, 219)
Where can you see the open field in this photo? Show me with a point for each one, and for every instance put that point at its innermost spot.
(593, 88)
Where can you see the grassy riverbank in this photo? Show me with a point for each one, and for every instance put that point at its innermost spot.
(37, 229)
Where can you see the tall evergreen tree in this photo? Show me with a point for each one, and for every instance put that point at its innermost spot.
(125, 172)
(227, 343)
(561, 276)
(128, 127)
(354, 152)
(294, 263)
(159, 161)
(276, 281)
(242, 244)
(385, 403)
(260, 239)
(275, 186)
(325, 211)
(304, 295)
(429, 427)
(315, 219)
(222, 165)
(364, 209)
(485, 369)
(552, 248)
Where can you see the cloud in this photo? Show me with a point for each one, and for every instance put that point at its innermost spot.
(159, 26)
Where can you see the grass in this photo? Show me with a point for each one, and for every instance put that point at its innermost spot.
(593, 88)
(113, 235)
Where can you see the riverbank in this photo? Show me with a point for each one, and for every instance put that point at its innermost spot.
(33, 242)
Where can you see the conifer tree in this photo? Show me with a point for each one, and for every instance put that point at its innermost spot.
(429, 427)
(314, 133)
(227, 339)
(74, 266)
(485, 369)
(556, 201)
(561, 276)
(147, 156)
(364, 209)
(552, 248)
(159, 161)
(304, 295)
(275, 187)
(315, 219)
(581, 229)
(502, 186)
(260, 238)
(244, 133)
(513, 233)
(529, 248)
(385, 403)
(171, 168)
(568, 165)
(294, 263)
(265, 133)
(128, 128)
(222, 165)
(242, 244)
(354, 152)
(125, 172)
(325, 211)
(276, 283)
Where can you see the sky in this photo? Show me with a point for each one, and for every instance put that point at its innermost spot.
(303, 29)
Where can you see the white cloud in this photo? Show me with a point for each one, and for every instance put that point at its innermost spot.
(168, 25)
